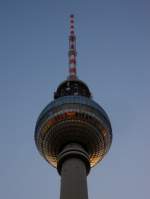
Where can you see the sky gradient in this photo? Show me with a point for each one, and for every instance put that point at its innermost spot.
(113, 45)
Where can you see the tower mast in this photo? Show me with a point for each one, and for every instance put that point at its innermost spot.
(72, 51)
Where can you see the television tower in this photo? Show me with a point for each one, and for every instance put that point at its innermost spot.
(73, 133)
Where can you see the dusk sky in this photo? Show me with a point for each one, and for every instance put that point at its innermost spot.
(113, 45)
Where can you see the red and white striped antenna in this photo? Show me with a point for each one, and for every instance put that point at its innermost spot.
(72, 51)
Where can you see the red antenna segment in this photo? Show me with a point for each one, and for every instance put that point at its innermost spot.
(72, 50)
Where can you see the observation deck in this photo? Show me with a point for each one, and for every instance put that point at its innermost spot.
(73, 117)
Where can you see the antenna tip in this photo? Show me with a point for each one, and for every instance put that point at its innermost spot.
(71, 16)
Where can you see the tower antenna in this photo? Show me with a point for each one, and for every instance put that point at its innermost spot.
(72, 50)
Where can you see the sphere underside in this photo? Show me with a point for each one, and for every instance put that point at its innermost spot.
(73, 119)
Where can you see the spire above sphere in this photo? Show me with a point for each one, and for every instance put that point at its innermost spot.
(72, 51)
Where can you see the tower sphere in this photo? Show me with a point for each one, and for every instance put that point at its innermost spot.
(73, 117)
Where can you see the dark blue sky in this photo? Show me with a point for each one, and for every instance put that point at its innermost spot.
(113, 44)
